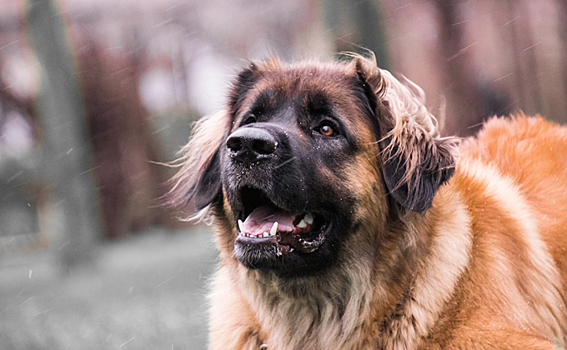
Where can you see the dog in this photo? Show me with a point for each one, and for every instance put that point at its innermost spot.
(345, 221)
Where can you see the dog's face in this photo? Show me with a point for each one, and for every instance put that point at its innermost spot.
(305, 156)
(287, 169)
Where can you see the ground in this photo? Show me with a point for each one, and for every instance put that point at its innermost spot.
(148, 292)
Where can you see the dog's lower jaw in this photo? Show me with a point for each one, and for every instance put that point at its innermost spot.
(290, 255)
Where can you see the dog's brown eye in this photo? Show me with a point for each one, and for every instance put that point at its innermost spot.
(327, 130)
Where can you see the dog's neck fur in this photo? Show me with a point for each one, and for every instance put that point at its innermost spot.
(318, 311)
(436, 273)
(323, 312)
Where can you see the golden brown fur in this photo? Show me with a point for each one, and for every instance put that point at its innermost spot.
(484, 267)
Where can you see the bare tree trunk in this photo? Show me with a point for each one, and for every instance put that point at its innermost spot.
(563, 22)
(68, 158)
(464, 107)
(364, 25)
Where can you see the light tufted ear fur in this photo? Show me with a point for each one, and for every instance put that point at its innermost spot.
(416, 161)
(199, 174)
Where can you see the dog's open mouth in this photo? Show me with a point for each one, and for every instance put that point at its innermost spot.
(265, 222)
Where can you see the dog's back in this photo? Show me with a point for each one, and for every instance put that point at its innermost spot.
(532, 154)
(512, 179)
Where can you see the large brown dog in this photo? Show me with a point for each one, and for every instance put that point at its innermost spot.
(344, 221)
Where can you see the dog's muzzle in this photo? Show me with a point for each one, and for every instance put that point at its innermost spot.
(267, 191)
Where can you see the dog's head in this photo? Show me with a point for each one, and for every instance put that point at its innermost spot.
(305, 155)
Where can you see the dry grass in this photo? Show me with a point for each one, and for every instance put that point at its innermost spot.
(148, 293)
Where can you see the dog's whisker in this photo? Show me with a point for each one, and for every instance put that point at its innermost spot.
(285, 163)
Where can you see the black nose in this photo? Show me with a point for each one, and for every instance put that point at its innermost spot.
(251, 144)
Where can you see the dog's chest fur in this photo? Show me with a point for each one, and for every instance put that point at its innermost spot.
(324, 315)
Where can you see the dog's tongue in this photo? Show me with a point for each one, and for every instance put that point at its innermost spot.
(262, 220)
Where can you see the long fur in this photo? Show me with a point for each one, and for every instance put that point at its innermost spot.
(206, 137)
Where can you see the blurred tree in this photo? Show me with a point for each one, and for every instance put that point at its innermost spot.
(121, 138)
(458, 73)
(357, 26)
(68, 160)
(476, 59)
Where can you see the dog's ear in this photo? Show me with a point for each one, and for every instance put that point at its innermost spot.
(199, 176)
(416, 161)
(414, 167)
(243, 83)
(246, 80)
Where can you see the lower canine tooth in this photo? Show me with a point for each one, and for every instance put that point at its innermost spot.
(274, 229)
(302, 224)
(308, 218)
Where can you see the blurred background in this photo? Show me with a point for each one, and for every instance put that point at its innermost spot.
(95, 94)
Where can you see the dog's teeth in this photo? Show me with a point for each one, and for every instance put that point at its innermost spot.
(308, 218)
(302, 224)
(274, 229)
(240, 225)
(266, 234)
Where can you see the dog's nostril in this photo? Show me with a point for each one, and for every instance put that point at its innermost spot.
(234, 144)
(264, 146)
